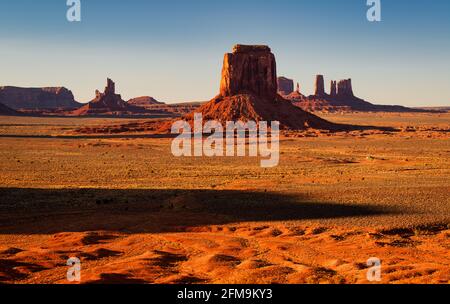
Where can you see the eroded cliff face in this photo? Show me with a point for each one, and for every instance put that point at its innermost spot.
(37, 98)
(249, 69)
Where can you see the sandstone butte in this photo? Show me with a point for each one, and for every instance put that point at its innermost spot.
(108, 103)
(340, 98)
(249, 92)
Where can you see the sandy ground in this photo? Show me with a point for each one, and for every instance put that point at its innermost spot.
(133, 213)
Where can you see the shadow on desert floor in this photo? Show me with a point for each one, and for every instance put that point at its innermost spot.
(48, 211)
(98, 136)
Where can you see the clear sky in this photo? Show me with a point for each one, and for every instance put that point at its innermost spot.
(173, 50)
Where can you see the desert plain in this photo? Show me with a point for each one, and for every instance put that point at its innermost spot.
(133, 213)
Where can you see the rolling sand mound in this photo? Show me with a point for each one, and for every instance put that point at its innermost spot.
(265, 253)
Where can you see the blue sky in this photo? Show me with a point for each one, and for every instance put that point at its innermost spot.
(173, 50)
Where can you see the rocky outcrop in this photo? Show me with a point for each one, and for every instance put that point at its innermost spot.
(249, 93)
(108, 103)
(319, 86)
(37, 98)
(249, 69)
(285, 86)
(344, 88)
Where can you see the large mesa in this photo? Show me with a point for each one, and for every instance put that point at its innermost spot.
(249, 92)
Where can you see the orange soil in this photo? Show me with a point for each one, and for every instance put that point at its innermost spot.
(135, 214)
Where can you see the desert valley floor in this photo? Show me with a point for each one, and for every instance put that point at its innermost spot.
(133, 213)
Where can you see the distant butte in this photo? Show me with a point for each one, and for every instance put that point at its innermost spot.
(340, 99)
(248, 92)
(319, 86)
(37, 98)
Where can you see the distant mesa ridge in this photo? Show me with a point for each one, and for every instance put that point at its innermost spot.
(249, 69)
(249, 89)
(285, 85)
(340, 99)
(61, 101)
(6, 111)
(37, 98)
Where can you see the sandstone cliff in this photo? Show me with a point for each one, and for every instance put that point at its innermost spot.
(248, 92)
(340, 99)
(344, 88)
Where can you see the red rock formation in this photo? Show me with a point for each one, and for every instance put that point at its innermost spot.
(108, 103)
(37, 98)
(109, 99)
(333, 88)
(285, 86)
(319, 86)
(249, 93)
(344, 88)
(249, 69)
